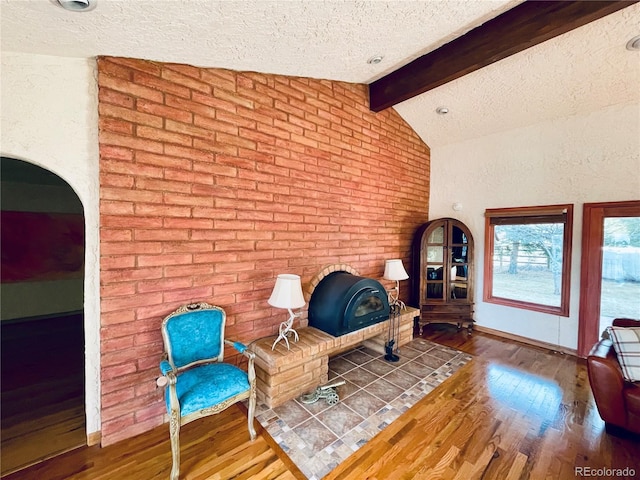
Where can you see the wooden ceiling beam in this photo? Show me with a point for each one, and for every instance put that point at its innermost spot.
(525, 25)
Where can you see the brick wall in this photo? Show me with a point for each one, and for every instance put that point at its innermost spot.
(212, 182)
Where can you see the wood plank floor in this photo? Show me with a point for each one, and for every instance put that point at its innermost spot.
(42, 398)
(514, 412)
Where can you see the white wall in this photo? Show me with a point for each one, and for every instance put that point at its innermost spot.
(49, 117)
(580, 159)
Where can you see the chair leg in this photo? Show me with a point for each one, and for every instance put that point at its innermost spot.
(174, 431)
(250, 414)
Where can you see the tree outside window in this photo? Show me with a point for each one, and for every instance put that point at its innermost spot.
(527, 257)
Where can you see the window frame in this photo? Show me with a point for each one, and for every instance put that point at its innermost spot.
(528, 215)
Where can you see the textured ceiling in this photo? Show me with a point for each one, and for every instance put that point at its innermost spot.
(582, 70)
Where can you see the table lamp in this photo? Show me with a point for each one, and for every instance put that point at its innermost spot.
(287, 293)
(394, 270)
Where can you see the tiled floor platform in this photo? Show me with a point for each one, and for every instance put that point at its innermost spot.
(317, 437)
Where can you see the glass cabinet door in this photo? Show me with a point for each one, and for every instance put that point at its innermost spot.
(436, 236)
(459, 271)
(435, 264)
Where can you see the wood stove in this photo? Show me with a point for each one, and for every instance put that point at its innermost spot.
(342, 303)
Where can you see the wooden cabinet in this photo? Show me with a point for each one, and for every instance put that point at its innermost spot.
(443, 273)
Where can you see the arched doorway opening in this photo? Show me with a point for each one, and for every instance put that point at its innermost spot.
(41, 316)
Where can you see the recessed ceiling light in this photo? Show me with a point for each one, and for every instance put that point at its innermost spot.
(76, 5)
(634, 43)
(442, 110)
(375, 59)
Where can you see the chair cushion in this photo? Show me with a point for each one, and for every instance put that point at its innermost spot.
(626, 343)
(208, 385)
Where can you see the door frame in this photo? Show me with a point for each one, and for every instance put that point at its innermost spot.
(593, 215)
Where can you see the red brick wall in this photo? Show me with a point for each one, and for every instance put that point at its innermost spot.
(212, 182)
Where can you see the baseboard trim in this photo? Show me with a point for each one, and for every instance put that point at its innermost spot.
(526, 340)
(94, 438)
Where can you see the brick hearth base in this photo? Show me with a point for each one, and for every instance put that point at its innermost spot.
(283, 374)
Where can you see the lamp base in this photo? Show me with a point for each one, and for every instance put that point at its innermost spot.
(285, 330)
(393, 295)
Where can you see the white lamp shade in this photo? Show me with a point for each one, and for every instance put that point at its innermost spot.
(394, 270)
(287, 292)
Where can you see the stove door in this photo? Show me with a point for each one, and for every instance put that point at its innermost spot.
(366, 307)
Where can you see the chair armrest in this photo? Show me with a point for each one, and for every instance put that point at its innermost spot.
(242, 348)
(607, 382)
(165, 367)
(168, 375)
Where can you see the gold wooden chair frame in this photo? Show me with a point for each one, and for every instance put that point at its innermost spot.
(197, 382)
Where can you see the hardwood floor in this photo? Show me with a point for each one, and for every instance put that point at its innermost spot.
(42, 398)
(514, 412)
(216, 447)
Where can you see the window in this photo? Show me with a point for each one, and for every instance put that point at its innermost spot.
(527, 257)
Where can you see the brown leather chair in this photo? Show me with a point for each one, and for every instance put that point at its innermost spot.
(618, 401)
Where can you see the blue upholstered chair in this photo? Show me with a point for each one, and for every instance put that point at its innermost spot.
(198, 383)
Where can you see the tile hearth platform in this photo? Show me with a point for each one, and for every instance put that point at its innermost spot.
(283, 374)
(317, 437)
